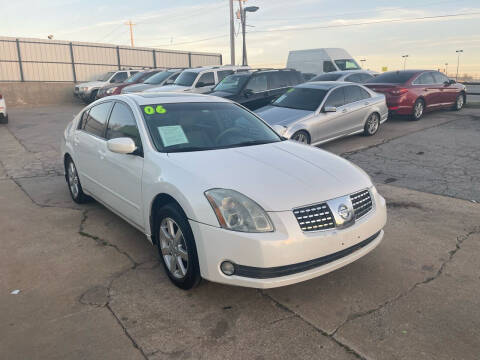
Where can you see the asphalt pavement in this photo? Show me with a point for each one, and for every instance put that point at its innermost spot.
(90, 286)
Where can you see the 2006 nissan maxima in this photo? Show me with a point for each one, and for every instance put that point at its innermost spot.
(220, 194)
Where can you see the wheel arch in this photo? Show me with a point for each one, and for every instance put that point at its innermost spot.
(159, 201)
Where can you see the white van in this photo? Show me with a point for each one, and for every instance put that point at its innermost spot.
(319, 61)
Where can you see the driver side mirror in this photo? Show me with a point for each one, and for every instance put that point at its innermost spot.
(248, 92)
(200, 84)
(329, 109)
(123, 145)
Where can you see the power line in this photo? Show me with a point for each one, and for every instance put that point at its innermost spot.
(110, 33)
(333, 26)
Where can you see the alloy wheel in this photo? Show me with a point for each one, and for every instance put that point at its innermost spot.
(418, 111)
(459, 102)
(301, 138)
(173, 248)
(73, 180)
(373, 123)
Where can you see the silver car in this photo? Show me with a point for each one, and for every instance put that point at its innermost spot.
(317, 112)
(356, 76)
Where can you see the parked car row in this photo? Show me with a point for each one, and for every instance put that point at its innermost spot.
(326, 107)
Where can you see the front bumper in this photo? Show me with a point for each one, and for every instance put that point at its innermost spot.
(288, 255)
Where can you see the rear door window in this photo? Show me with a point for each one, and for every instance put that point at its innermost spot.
(336, 98)
(358, 78)
(355, 93)
(97, 118)
(83, 119)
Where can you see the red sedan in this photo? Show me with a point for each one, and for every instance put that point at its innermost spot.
(413, 92)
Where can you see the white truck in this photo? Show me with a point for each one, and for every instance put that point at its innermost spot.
(319, 61)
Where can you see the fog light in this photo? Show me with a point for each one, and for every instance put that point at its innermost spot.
(227, 268)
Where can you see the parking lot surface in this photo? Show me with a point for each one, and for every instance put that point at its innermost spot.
(91, 286)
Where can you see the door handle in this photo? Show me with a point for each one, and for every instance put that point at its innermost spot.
(344, 110)
(76, 141)
(101, 153)
(367, 103)
(425, 89)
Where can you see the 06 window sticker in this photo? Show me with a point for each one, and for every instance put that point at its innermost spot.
(150, 110)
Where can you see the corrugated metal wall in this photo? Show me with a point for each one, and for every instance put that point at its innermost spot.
(25, 59)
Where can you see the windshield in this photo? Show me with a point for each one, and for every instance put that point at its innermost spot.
(158, 78)
(135, 77)
(326, 77)
(347, 64)
(186, 78)
(204, 126)
(106, 76)
(232, 83)
(393, 77)
(301, 98)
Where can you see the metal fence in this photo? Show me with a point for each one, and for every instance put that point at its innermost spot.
(24, 59)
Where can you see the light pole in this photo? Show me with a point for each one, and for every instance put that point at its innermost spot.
(363, 63)
(232, 35)
(446, 69)
(243, 14)
(458, 61)
(404, 61)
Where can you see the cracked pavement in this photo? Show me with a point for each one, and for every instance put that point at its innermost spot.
(91, 286)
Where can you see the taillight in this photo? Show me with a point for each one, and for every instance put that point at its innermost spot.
(399, 91)
(1, 97)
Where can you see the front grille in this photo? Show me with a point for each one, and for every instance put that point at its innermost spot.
(314, 217)
(362, 203)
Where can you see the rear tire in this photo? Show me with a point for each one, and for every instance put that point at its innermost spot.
(176, 247)
(302, 137)
(73, 182)
(459, 102)
(4, 120)
(418, 109)
(372, 124)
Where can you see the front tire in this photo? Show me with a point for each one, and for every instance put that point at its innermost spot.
(372, 124)
(73, 182)
(459, 102)
(418, 109)
(301, 136)
(176, 247)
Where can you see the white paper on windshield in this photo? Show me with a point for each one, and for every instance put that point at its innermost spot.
(172, 135)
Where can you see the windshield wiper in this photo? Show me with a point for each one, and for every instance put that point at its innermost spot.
(253, 142)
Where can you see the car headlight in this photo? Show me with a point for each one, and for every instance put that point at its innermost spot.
(111, 90)
(237, 212)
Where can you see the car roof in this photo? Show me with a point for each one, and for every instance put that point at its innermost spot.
(324, 85)
(345, 72)
(216, 67)
(169, 98)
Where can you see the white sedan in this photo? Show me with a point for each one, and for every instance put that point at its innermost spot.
(3, 111)
(220, 194)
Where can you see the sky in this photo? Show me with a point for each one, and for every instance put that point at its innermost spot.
(378, 31)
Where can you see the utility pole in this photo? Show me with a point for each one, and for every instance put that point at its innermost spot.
(446, 69)
(129, 23)
(232, 35)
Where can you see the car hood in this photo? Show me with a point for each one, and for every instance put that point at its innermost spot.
(173, 88)
(139, 87)
(279, 176)
(275, 115)
(93, 84)
(223, 94)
